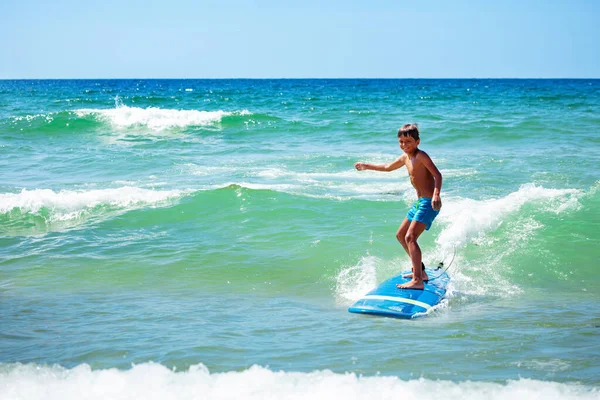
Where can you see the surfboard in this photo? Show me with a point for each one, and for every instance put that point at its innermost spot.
(389, 301)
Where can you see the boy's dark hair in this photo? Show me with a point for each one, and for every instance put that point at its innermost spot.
(411, 130)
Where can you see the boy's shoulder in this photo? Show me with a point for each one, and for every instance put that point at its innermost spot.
(424, 159)
(422, 154)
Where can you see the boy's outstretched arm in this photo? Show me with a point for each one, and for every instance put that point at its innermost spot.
(381, 167)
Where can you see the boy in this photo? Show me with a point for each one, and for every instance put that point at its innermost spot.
(427, 181)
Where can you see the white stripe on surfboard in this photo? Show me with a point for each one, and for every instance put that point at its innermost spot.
(397, 300)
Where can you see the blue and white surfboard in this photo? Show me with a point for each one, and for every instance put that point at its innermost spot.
(389, 301)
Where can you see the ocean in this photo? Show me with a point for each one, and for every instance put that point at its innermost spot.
(203, 239)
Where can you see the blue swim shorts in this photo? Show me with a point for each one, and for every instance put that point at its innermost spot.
(423, 212)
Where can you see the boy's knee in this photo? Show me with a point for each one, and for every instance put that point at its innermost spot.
(400, 237)
(410, 237)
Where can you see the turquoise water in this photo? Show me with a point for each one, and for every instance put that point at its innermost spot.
(208, 236)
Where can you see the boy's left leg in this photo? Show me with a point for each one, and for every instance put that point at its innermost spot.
(415, 230)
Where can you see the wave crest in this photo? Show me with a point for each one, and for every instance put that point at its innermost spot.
(157, 118)
(45, 209)
(466, 219)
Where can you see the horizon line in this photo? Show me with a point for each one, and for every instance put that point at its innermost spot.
(309, 78)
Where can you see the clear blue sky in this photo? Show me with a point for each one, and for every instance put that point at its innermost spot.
(299, 39)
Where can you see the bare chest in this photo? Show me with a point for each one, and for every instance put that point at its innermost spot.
(416, 170)
(412, 167)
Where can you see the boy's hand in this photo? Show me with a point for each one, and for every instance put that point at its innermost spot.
(436, 202)
(360, 166)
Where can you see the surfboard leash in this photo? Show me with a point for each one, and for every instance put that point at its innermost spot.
(441, 265)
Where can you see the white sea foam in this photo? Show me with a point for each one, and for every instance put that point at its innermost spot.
(67, 205)
(355, 281)
(157, 118)
(154, 381)
(466, 219)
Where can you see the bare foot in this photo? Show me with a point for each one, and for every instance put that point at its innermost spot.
(411, 285)
(423, 275)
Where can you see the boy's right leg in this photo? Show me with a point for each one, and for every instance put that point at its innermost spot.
(419, 276)
(401, 236)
